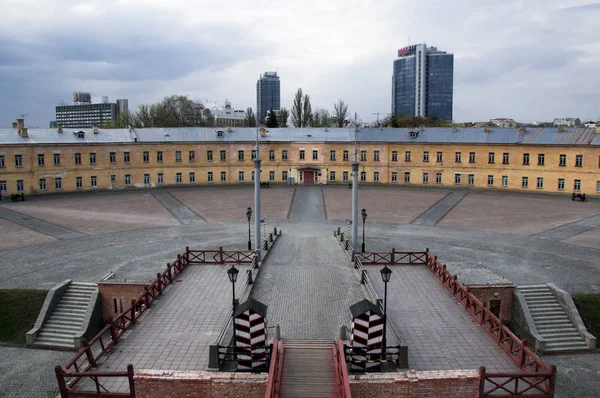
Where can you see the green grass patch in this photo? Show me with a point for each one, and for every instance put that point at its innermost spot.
(19, 309)
(588, 305)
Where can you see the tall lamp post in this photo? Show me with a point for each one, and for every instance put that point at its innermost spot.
(249, 216)
(386, 274)
(232, 273)
(363, 213)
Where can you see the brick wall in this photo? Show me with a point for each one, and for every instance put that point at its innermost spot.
(122, 292)
(172, 384)
(504, 293)
(446, 384)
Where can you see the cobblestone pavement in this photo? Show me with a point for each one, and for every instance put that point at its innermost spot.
(20, 236)
(438, 331)
(589, 238)
(308, 204)
(578, 375)
(307, 284)
(26, 373)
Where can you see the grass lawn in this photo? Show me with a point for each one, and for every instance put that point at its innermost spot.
(19, 309)
(589, 308)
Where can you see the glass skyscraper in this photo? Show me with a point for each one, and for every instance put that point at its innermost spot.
(423, 83)
(268, 95)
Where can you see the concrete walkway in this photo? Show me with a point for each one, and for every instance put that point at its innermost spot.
(438, 211)
(308, 203)
(56, 231)
(184, 214)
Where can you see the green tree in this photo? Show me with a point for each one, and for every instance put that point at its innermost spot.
(271, 120)
(307, 114)
(297, 109)
(284, 114)
(250, 118)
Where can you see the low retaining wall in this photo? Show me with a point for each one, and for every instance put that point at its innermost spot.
(122, 292)
(504, 293)
(443, 383)
(172, 384)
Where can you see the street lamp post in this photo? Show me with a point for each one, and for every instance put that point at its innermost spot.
(386, 274)
(363, 213)
(249, 216)
(232, 273)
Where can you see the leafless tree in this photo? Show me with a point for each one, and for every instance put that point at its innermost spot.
(340, 112)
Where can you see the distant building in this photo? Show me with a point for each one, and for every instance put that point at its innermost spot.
(123, 105)
(83, 113)
(423, 83)
(567, 122)
(268, 95)
(224, 115)
(504, 122)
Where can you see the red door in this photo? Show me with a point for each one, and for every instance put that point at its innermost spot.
(309, 177)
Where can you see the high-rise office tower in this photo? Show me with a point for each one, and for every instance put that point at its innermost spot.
(268, 95)
(423, 83)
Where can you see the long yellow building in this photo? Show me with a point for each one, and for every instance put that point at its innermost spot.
(548, 160)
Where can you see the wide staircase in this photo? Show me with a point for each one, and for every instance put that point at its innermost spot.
(67, 318)
(551, 320)
(309, 369)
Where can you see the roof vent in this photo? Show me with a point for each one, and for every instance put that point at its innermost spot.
(95, 129)
(561, 129)
(309, 135)
(454, 129)
(79, 134)
(220, 133)
(59, 129)
(486, 130)
(413, 134)
(229, 129)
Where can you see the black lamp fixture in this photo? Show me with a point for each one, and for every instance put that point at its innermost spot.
(363, 213)
(386, 274)
(249, 216)
(232, 273)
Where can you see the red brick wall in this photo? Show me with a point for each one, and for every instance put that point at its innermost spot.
(173, 384)
(442, 384)
(505, 294)
(124, 292)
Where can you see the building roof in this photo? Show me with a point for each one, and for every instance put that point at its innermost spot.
(253, 305)
(492, 135)
(363, 306)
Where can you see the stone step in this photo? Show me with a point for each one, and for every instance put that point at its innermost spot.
(49, 326)
(554, 329)
(575, 338)
(54, 343)
(540, 300)
(567, 345)
(545, 305)
(55, 335)
(58, 316)
(536, 293)
(557, 322)
(548, 311)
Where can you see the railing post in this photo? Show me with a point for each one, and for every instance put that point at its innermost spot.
(552, 381)
(363, 276)
(133, 303)
(392, 258)
(169, 272)
(179, 261)
(250, 277)
(158, 285)
(275, 231)
(455, 289)
(130, 378)
(62, 385)
(221, 255)
(146, 297)
(270, 237)
(88, 352)
(187, 254)
(481, 381)
(113, 332)
(522, 354)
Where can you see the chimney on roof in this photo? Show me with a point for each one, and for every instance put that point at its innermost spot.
(522, 130)
(21, 126)
(560, 129)
(263, 130)
(95, 129)
(59, 128)
(14, 125)
(20, 123)
(23, 132)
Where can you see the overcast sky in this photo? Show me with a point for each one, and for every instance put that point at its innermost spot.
(529, 60)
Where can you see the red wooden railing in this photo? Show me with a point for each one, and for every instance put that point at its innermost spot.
(274, 378)
(341, 370)
(399, 258)
(88, 355)
(517, 384)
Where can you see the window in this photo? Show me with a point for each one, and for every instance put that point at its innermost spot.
(93, 181)
(252, 175)
(112, 157)
(439, 157)
(471, 157)
(561, 184)
(490, 181)
(160, 178)
(3, 186)
(505, 181)
(577, 185)
(127, 179)
(331, 155)
(241, 176)
(79, 182)
(271, 154)
(126, 157)
(302, 154)
(18, 160)
(363, 176)
(457, 178)
(146, 157)
(540, 183)
(541, 159)
(192, 156)
(240, 155)
(524, 182)
(407, 176)
(223, 176)
(376, 156)
(92, 158)
(2, 164)
(438, 178)
(41, 162)
(57, 159)
(425, 178)
(58, 182)
(178, 178)
(223, 155)
(332, 176)
(491, 157)
(315, 154)
(284, 176)
(471, 179)
(562, 159)
(505, 158)
(597, 186)
(178, 156)
(526, 159)
(578, 160)
(271, 176)
(42, 184)
(20, 185)
(113, 179)
(395, 156)
(376, 176)
(253, 154)
(146, 179)
(284, 155)
(394, 176)
(159, 156)
(192, 177)
(77, 158)
(346, 155)
(345, 176)
(458, 157)
(363, 156)
(209, 177)
(426, 156)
